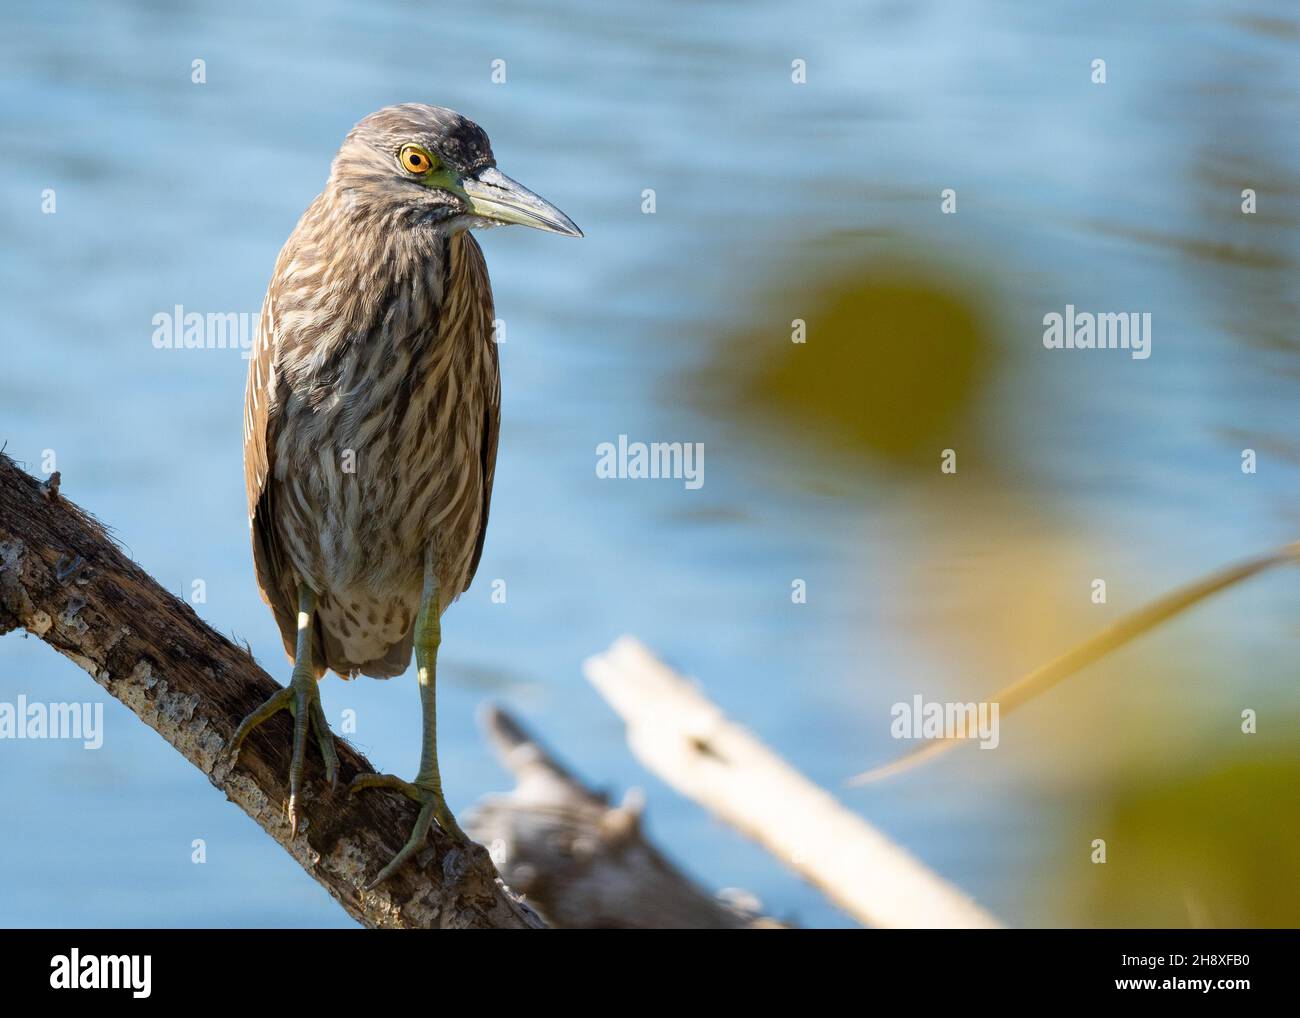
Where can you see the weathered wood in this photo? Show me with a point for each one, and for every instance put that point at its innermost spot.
(63, 580)
(684, 738)
(581, 862)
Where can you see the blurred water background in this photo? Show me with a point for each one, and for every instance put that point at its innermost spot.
(775, 201)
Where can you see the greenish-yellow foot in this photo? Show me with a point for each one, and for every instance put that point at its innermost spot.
(433, 806)
(301, 698)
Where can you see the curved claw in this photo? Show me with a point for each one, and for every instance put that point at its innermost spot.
(432, 807)
(302, 699)
(268, 710)
(383, 781)
(299, 707)
(447, 821)
(416, 841)
(325, 740)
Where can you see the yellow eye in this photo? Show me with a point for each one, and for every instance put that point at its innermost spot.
(415, 160)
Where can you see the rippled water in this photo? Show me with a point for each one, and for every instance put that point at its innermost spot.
(1116, 197)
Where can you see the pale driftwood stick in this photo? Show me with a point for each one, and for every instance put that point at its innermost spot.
(581, 862)
(676, 732)
(63, 580)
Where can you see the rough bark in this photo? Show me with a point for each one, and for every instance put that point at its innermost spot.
(584, 863)
(63, 580)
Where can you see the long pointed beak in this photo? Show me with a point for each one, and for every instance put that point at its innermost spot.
(495, 196)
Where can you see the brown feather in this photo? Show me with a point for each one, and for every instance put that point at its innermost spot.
(382, 347)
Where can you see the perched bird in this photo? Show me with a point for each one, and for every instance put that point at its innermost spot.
(370, 421)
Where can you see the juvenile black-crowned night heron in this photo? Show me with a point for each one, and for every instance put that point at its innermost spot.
(370, 421)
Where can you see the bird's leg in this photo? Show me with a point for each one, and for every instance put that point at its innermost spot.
(426, 789)
(302, 699)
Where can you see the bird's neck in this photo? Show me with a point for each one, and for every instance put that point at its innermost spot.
(352, 263)
(357, 287)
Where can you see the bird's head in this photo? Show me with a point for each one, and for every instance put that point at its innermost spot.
(429, 166)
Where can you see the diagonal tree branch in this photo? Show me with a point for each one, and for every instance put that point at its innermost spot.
(62, 579)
